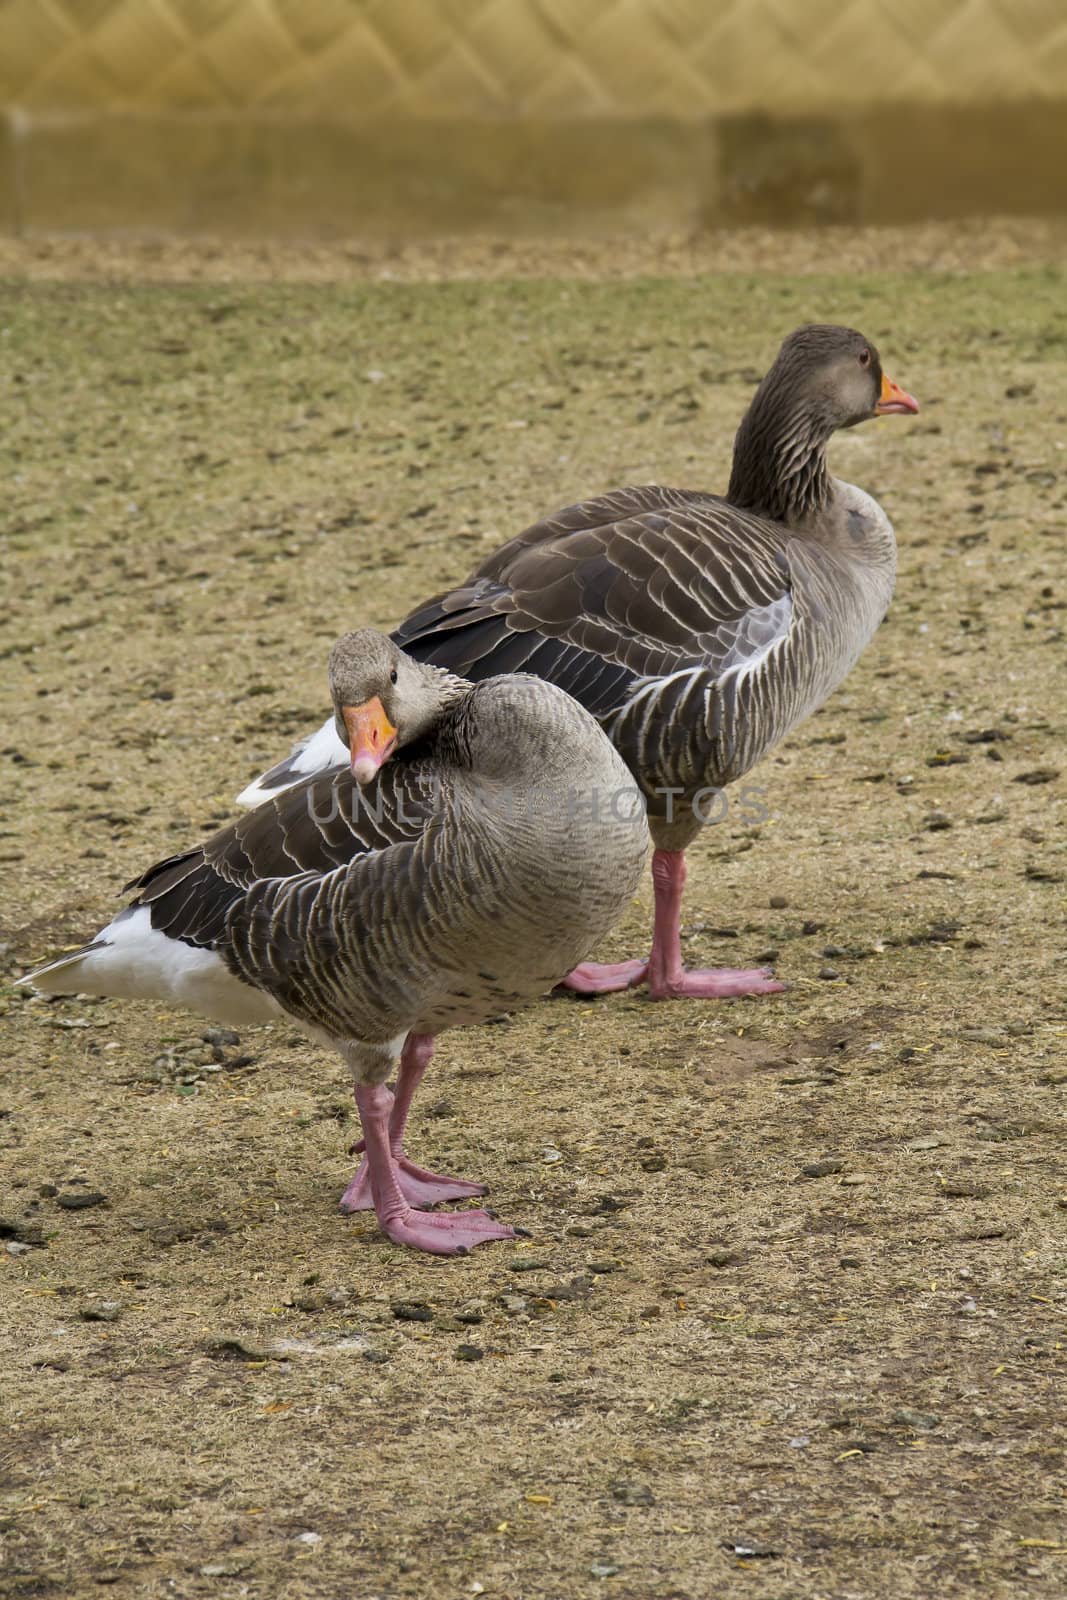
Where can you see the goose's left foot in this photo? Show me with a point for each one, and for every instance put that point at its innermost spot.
(593, 977)
(714, 983)
(667, 977)
(444, 1233)
(419, 1187)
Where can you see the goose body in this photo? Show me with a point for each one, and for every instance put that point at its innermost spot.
(698, 629)
(467, 876)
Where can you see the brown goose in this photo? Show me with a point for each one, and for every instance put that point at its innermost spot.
(698, 629)
(498, 838)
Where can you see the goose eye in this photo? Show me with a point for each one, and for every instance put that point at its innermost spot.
(392, 676)
(865, 358)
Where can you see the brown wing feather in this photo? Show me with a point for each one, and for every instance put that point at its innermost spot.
(637, 584)
(323, 823)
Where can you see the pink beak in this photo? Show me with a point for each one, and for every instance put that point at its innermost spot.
(894, 399)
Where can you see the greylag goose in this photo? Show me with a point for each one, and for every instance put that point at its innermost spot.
(498, 838)
(698, 629)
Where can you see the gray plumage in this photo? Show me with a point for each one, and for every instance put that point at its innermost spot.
(698, 630)
(486, 857)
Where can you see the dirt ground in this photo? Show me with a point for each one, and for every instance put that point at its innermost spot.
(788, 1322)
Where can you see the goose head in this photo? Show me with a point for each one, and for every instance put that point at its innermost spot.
(823, 378)
(835, 376)
(383, 699)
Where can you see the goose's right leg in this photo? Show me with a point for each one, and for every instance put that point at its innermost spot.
(664, 973)
(444, 1233)
(420, 1187)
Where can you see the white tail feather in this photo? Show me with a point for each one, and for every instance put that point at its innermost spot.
(318, 754)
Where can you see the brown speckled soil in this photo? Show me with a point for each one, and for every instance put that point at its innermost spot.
(699, 1351)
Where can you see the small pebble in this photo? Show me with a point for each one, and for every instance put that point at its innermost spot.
(314, 1300)
(654, 1164)
(528, 1264)
(633, 1494)
(467, 1352)
(228, 1347)
(829, 973)
(220, 1036)
(778, 902)
(27, 1234)
(411, 1311)
(832, 950)
(579, 1288)
(850, 1261)
(823, 1169)
(1038, 775)
(723, 1257)
(55, 1363)
(602, 1266)
(81, 1200)
(101, 1311)
(603, 1569)
(921, 1420)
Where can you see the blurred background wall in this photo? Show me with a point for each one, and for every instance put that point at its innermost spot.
(415, 117)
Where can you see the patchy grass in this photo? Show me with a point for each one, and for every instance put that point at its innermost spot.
(853, 1374)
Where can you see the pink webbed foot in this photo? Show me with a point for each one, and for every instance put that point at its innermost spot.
(594, 978)
(418, 1187)
(444, 1233)
(391, 1178)
(716, 983)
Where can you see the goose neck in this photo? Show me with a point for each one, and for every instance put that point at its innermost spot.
(779, 465)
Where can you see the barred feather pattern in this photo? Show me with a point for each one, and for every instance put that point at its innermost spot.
(699, 634)
(461, 885)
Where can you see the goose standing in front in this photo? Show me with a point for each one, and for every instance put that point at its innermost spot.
(698, 629)
(498, 838)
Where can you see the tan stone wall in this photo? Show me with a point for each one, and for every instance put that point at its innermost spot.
(418, 115)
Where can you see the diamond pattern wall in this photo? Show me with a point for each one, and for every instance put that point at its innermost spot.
(358, 60)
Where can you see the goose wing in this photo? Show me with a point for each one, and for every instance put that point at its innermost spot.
(613, 595)
(306, 831)
(610, 598)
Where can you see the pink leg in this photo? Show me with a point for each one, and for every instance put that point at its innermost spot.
(420, 1188)
(667, 978)
(663, 971)
(443, 1233)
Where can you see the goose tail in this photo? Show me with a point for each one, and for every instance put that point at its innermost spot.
(64, 975)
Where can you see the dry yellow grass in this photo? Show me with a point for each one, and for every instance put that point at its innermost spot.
(853, 1374)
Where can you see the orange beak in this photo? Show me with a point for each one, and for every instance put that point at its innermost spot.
(371, 738)
(894, 399)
